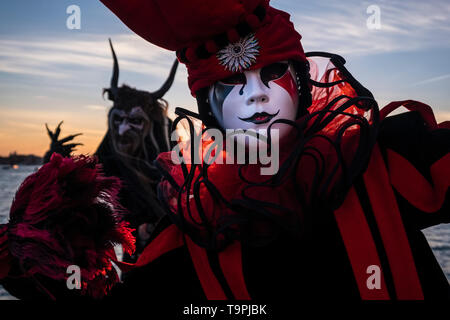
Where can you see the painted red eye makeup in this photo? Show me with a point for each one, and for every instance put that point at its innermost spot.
(279, 74)
(273, 72)
(287, 82)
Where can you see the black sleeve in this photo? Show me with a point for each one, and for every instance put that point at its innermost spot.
(408, 135)
(170, 277)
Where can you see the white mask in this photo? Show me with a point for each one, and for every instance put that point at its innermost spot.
(254, 99)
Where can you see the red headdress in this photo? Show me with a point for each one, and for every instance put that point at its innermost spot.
(214, 41)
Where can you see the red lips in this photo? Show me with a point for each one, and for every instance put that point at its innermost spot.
(260, 117)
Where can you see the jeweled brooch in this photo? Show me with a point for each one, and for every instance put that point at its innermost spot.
(240, 55)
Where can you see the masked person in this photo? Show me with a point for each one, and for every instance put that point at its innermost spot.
(342, 214)
(138, 130)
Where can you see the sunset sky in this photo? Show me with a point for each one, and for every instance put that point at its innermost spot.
(49, 73)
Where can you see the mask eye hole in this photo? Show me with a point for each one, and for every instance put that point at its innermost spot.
(235, 79)
(117, 119)
(136, 121)
(273, 71)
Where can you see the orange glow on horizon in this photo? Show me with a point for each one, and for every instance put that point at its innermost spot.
(24, 131)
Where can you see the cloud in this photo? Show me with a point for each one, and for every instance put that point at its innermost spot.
(442, 116)
(431, 80)
(59, 58)
(22, 125)
(334, 26)
(27, 69)
(95, 107)
(341, 27)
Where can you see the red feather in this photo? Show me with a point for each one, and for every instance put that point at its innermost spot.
(67, 213)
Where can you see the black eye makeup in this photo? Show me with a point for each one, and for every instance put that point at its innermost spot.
(136, 121)
(117, 119)
(273, 71)
(235, 79)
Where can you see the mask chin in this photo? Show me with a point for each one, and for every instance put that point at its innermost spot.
(125, 148)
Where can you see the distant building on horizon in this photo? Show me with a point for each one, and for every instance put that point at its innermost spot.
(20, 159)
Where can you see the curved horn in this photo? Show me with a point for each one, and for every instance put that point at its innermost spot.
(112, 93)
(166, 86)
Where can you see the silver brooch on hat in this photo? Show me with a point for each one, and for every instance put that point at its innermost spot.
(239, 55)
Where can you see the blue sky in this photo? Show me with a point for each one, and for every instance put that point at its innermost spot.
(49, 73)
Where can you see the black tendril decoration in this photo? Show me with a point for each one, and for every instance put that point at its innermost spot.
(326, 190)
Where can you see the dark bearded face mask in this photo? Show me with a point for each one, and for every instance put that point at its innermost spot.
(137, 114)
(128, 128)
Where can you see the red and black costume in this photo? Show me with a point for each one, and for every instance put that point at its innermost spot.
(354, 189)
(396, 185)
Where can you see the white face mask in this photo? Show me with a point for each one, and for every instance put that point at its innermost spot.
(254, 99)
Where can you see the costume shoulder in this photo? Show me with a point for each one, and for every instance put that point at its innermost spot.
(417, 153)
(414, 146)
(408, 135)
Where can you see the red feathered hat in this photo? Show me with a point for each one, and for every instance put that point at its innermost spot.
(213, 38)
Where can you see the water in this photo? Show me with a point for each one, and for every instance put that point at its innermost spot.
(10, 180)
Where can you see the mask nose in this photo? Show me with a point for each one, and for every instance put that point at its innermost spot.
(259, 97)
(255, 89)
(123, 127)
